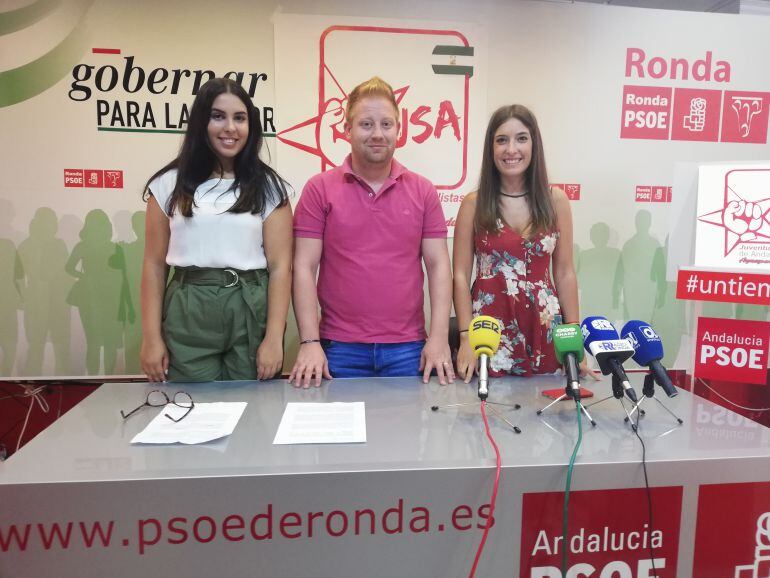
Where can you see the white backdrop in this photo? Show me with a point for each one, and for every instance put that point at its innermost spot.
(572, 64)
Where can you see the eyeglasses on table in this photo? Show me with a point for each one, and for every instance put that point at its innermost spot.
(158, 398)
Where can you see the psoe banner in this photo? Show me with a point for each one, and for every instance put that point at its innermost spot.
(732, 350)
(738, 545)
(604, 539)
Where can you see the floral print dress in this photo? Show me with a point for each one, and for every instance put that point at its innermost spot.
(513, 285)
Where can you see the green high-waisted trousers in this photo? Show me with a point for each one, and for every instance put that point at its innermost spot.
(213, 322)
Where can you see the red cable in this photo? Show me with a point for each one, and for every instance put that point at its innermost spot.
(494, 491)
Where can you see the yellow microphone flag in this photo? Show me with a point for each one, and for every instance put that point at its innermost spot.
(484, 335)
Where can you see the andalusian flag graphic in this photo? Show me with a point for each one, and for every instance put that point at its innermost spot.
(48, 38)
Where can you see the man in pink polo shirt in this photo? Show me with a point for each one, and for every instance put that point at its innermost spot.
(369, 224)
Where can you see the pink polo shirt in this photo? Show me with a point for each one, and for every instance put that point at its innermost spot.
(371, 278)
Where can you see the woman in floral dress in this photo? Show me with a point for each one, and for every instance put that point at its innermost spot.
(520, 232)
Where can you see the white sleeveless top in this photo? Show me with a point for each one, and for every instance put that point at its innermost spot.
(212, 237)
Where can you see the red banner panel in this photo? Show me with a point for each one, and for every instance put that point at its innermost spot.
(113, 179)
(643, 194)
(572, 190)
(744, 118)
(696, 114)
(646, 112)
(94, 178)
(609, 533)
(653, 194)
(731, 349)
(73, 177)
(732, 535)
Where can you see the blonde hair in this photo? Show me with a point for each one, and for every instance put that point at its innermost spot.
(374, 87)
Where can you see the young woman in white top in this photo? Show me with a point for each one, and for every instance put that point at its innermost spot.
(220, 217)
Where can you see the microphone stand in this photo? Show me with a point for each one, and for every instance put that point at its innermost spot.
(483, 390)
(572, 389)
(566, 395)
(618, 393)
(483, 377)
(648, 389)
(491, 408)
(490, 405)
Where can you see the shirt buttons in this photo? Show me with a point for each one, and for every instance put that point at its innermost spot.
(371, 194)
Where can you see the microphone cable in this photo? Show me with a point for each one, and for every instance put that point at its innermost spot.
(491, 518)
(648, 491)
(565, 512)
(35, 395)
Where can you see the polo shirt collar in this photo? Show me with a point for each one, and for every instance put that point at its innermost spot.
(396, 168)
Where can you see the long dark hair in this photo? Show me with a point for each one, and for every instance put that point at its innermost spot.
(259, 184)
(542, 214)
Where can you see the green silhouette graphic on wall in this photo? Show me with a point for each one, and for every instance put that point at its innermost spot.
(46, 313)
(10, 302)
(130, 312)
(599, 295)
(10, 298)
(101, 278)
(751, 312)
(576, 252)
(668, 318)
(716, 309)
(96, 293)
(633, 275)
(69, 229)
(7, 216)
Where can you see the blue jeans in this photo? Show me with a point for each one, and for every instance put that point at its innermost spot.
(373, 359)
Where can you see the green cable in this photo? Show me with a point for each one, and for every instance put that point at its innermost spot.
(565, 517)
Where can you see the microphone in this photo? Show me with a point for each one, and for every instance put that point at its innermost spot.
(568, 345)
(484, 337)
(603, 342)
(648, 349)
